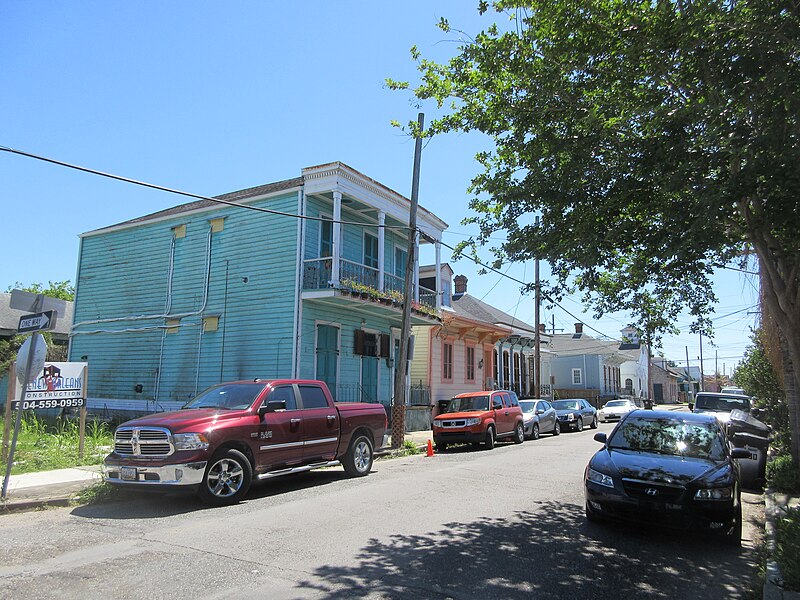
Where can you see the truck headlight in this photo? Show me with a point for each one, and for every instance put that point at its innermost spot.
(724, 493)
(190, 441)
(472, 421)
(600, 478)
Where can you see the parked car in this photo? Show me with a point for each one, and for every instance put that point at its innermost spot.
(575, 413)
(719, 404)
(235, 432)
(480, 417)
(667, 467)
(614, 410)
(539, 417)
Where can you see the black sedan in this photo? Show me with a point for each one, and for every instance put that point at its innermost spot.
(670, 468)
(575, 413)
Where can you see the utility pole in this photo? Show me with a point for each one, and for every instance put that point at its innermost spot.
(401, 371)
(537, 338)
(702, 377)
(689, 387)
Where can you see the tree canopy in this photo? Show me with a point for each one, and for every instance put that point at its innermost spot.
(657, 140)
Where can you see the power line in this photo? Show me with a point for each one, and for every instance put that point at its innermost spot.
(189, 194)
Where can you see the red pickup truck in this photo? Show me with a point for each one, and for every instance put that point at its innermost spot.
(235, 432)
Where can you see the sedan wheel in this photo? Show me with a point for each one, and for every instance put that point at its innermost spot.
(594, 423)
(535, 433)
(557, 428)
(579, 424)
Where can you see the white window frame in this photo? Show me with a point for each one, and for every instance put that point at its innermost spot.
(579, 379)
(329, 217)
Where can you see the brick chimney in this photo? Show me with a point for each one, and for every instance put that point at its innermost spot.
(578, 327)
(461, 284)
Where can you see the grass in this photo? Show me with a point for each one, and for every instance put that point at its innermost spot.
(782, 475)
(44, 447)
(787, 548)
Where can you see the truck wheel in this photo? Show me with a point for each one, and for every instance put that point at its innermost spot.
(227, 479)
(489, 439)
(358, 460)
(519, 433)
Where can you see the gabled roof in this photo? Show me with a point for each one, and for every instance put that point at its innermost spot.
(9, 318)
(571, 344)
(477, 310)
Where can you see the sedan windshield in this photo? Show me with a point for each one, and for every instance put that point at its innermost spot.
(566, 405)
(227, 396)
(613, 403)
(468, 403)
(665, 435)
(527, 406)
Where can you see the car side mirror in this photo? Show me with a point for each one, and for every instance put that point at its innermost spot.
(740, 453)
(540, 412)
(497, 405)
(691, 406)
(272, 406)
(600, 437)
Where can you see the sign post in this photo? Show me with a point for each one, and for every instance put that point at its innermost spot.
(32, 354)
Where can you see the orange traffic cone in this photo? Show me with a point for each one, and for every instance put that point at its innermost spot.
(430, 448)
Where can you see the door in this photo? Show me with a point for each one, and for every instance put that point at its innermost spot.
(280, 434)
(369, 379)
(503, 417)
(658, 393)
(320, 425)
(328, 356)
(547, 418)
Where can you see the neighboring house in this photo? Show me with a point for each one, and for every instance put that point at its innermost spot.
(688, 382)
(171, 303)
(590, 368)
(9, 321)
(664, 381)
(477, 347)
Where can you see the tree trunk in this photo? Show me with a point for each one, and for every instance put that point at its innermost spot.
(779, 288)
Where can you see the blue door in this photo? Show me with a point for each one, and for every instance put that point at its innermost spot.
(328, 355)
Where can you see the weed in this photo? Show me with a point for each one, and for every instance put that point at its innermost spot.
(98, 493)
(787, 548)
(782, 474)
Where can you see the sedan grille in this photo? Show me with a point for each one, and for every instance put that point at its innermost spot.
(150, 442)
(649, 490)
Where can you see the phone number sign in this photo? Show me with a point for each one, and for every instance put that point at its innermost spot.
(57, 385)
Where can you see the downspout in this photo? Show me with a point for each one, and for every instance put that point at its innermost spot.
(297, 334)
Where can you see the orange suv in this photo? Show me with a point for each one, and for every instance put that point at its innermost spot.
(479, 417)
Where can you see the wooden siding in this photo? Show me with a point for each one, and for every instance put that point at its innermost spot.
(422, 352)
(251, 289)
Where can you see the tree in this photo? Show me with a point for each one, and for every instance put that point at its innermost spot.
(63, 290)
(658, 141)
(756, 375)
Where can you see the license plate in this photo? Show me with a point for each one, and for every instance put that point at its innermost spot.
(128, 474)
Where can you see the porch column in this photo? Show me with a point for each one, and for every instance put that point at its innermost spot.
(416, 266)
(500, 369)
(511, 367)
(381, 249)
(337, 238)
(438, 246)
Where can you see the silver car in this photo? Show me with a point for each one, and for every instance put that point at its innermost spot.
(614, 410)
(539, 416)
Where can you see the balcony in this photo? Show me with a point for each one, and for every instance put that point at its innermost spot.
(359, 283)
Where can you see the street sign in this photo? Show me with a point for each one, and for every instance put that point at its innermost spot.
(36, 341)
(43, 321)
(30, 302)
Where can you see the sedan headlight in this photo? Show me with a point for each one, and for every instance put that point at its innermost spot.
(190, 441)
(472, 421)
(571, 417)
(724, 493)
(600, 478)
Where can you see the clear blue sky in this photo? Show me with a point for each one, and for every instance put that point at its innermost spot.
(212, 97)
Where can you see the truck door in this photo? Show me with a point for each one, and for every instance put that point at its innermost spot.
(320, 424)
(280, 433)
(504, 418)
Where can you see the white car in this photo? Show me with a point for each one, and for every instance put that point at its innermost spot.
(614, 410)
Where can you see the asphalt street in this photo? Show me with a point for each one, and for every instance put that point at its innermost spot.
(506, 523)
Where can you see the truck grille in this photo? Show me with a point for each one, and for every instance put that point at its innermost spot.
(136, 441)
(454, 423)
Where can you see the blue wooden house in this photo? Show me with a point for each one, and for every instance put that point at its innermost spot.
(240, 287)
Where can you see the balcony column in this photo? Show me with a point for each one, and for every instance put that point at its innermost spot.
(381, 250)
(438, 246)
(337, 238)
(511, 368)
(416, 266)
